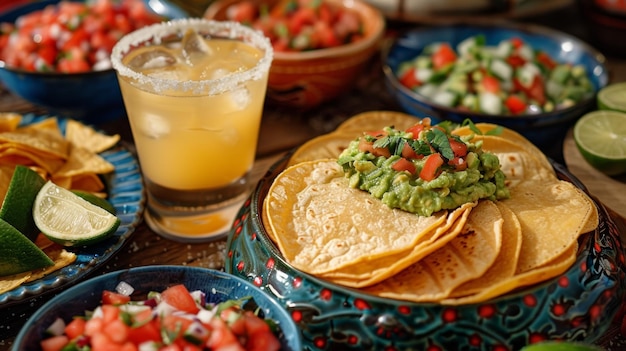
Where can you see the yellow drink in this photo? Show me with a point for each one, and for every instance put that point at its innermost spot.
(194, 105)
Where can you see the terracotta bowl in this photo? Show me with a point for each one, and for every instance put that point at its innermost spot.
(307, 79)
(575, 306)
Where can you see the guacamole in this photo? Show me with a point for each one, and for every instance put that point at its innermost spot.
(422, 170)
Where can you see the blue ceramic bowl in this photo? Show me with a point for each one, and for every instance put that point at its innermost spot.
(543, 129)
(578, 305)
(218, 286)
(93, 97)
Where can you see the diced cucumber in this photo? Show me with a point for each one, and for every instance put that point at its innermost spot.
(427, 90)
(526, 74)
(456, 84)
(578, 71)
(554, 89)
(561, 73)
(490, 103)
(470, 101)
(504, 49)
(501, 69)
(424, 74)
(526, 52)
(423, 62)
(445, 98)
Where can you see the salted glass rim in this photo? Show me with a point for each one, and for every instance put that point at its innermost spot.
(223, 29)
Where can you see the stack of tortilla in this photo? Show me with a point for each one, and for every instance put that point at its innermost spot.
(476, 252)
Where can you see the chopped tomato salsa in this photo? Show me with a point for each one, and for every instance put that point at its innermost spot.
(71, 37)
(174, 319)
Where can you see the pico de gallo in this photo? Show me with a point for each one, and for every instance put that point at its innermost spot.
(510, 78)
(71, 37)
(175, 319)
(300, 25)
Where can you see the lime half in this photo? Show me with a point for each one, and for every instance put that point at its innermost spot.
(70, 220)
(18, 203)
(613, 97)
(601, 138)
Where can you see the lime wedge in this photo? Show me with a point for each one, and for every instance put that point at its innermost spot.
(18, 203)
(68, 219)
(561, 346)
(17, 253)
(98, 201)
(613, 97)
(601, 138)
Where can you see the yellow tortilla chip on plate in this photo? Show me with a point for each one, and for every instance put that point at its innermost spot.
(59, 256)
(9, 121)
(311, 212)
(466, 257)
(88, 138)
(43, 141)
(322, 147)
(82, 161)
(10, 282)
(11, 154)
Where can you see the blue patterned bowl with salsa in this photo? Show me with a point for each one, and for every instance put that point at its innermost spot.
(575, 306)
(93, 97)
(545, 128)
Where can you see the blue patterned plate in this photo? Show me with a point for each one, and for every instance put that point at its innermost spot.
(125, 188)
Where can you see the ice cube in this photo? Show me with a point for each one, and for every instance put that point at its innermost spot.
(152, 59)
(154, 126)
(240, 98)
(195, 48)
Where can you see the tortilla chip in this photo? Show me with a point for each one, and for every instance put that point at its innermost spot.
(11, 282)
(82, 161)
(45, 142)
(59, 256)
(9, 121)
(11, 154)
(311, 211)
(88, 138)
(466, 257)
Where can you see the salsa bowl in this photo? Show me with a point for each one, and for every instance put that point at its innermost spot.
(218, 286)
(330, 316)
(305, 79)
(92, 96)
(541, 128)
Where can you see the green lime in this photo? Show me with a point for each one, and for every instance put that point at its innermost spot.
(613, 97)
(98, 201)
(18, 203)
(17, 253)
(601, 138)
(68, 219)
(561, 346)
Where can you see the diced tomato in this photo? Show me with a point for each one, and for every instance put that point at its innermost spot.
(515, 60)
(404, 165)
(444, 56)
(263, 341)
(144, 332)
(416, 129)
(431, 167)
(458, 147)
(116, 330)
(93, 326)
(409, 78)
(367, 146)
(175, 325)
(244, 12)
(517, 42)
(491, 84)
(114, 298)
(222, 338)
(54, 343)
(458, 163)
(179, 297)
(536, 91)
(515, 104)
(545, 60)
(75, 328)
(409, 153)
(302, 17)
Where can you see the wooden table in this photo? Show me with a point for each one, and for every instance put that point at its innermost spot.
(281, 130)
